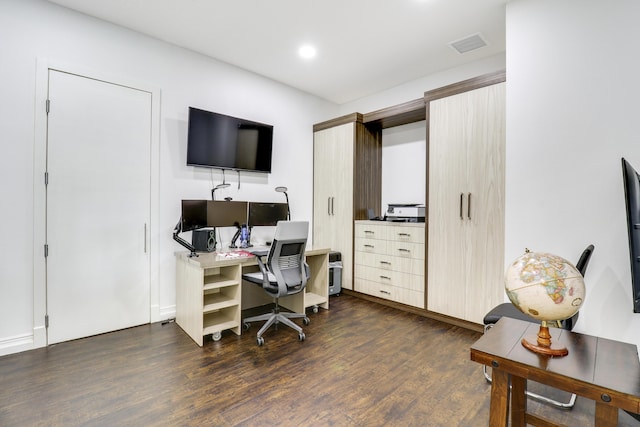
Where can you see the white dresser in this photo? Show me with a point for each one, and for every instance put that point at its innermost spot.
(390, 261)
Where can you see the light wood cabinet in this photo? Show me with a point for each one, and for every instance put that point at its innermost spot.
(389, 261)
(466, 150)
(346, 182)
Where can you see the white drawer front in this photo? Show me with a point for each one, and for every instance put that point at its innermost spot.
(371, 246)
(391, 293)
(376, 289)
(406, 250)
(387, 262)
(371, 231)
(406, 234)
(392, 278)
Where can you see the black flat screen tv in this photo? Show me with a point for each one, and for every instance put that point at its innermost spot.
(632, 201)
(224, 142)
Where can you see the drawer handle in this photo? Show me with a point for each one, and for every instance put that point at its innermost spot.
(385, 277)
(385, 262)
(404, 234)
(404, 250)
(369, 232)
(369, 246)
(385, 292)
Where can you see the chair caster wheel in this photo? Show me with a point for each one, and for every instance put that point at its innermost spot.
(216, 335)
(306, 321)
(301, 336)
(246, 326)
(260, 341)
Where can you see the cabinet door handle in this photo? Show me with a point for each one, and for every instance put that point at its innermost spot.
(328, 205)
(461, 198)
(333, 199)
(469, 206)
(145, 237)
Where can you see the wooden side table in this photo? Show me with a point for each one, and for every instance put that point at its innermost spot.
(603, 370)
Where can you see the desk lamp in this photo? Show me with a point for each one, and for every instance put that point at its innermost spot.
(284, 190)
(217, 187)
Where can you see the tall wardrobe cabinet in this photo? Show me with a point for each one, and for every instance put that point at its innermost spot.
(466, 156)
(346, 182)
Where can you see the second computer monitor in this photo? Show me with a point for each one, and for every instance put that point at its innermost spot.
(226, 213)
(266, 214)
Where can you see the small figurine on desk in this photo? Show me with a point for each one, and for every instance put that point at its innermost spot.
(244, 236)
(244, 233)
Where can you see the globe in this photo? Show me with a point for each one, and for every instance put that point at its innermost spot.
(547, 287)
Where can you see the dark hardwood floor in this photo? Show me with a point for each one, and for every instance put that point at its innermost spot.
(362, 364)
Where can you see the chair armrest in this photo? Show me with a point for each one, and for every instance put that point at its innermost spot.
(260, 253)
(263, 270)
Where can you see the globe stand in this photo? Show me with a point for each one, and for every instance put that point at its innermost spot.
(543, 343)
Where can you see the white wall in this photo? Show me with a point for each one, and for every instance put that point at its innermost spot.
(572, 113)
(32, 29)
(404, 165)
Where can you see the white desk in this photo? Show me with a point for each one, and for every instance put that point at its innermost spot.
(210, 293)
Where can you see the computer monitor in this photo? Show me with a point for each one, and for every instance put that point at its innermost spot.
(194, 215)
(266, 214)
(224, 213)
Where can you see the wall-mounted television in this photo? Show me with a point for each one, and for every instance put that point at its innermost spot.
(223, 142)
(631, 180)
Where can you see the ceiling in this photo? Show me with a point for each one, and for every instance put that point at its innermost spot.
(363, 46)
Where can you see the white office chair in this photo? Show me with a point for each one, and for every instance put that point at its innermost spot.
(285, 273)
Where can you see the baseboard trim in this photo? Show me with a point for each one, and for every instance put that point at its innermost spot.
(16, 344)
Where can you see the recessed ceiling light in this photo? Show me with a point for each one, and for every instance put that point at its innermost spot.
(307, 51)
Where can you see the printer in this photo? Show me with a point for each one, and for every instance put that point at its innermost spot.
(405, 213)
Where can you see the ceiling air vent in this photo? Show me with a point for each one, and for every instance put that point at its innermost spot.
(469, 43)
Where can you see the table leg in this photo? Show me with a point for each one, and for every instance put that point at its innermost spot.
(518, 401)
(499, 408)
(606, 415)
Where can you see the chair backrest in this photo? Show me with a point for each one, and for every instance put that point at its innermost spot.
(286, 257)
(583, 262)
(581, 266)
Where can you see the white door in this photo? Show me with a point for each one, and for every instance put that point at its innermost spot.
(98, 207)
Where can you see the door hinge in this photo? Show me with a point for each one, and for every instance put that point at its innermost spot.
(47, 105)
(46, 320)
(46, 250)
(46, 178)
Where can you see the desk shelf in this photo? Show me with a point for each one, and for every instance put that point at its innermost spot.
(220, 320)
(207, 297)
(313, 300)
(227, 297)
